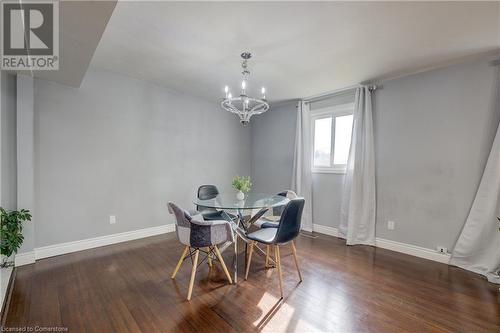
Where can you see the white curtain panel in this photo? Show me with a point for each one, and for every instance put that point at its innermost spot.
(478, 247)
(357, 220)
(302, 177)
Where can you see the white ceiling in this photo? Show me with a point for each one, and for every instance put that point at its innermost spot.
(300, 49)
(80, 28)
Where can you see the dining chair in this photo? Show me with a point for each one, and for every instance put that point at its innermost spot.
(287, 230)
(197, 234)
(271, 220)
(207, 192)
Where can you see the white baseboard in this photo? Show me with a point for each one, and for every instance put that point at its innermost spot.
(85, 244)
(413, 250)
(323, 229)
(387, 244)
(24, 258)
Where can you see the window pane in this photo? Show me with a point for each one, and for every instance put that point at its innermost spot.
(322, 142)
(343, 130)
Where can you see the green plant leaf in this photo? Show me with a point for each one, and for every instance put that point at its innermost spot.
(242, 184)
(11, 230)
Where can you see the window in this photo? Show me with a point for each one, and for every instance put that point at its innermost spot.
(331, 138)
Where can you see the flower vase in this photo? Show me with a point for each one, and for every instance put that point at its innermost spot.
(240, 195)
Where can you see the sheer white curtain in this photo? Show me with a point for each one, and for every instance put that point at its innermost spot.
(302, 178)
(357, 220)
(478, 247)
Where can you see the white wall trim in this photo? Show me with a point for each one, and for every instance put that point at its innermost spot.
(90, 243)
(323, 229)
(412, 250)
(24, 258)
(387, 244)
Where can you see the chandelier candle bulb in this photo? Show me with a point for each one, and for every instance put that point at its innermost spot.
(226, 90)
(243, 87)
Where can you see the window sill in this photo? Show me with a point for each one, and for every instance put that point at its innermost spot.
(332, 171)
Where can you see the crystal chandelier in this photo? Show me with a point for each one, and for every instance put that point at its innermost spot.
(243, 105)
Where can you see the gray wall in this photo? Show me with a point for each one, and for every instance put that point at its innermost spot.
(124, 147)
(26, 156)
(8, 156)
(433, 133)
(273, 138)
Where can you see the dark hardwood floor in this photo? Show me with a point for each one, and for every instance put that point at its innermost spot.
(127, 288)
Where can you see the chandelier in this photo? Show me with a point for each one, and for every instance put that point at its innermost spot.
(243, 105)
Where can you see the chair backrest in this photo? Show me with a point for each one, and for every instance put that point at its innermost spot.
(288, 194)
(278, 210)
(291, 217)
(206, 192)
(193, 231)
(182, 223)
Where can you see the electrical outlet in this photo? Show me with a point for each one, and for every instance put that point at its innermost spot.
(112, 219)
(442, 249)
(391, 225)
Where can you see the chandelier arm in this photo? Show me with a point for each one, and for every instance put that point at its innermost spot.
(232, 111)
(229, 107)
(260, 108)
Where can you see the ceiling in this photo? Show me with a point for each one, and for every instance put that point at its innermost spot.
(300, 49)
(80, 28)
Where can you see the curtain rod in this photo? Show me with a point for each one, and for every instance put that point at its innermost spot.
(332, 93)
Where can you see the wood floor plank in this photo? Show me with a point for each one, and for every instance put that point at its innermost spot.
(127, 287)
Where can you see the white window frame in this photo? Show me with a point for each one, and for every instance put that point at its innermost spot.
(333, 112)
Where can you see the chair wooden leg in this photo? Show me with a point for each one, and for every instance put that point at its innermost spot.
(267, 256)
(223, 264)
(246, 254)
(278, 263)
(294, 252)
(193, 274)
(249, 260)
(209, 259)
(181, 260)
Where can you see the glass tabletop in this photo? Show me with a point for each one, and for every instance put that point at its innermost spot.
(251, 201)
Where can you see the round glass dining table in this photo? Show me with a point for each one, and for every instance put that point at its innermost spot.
(229, 201)
(256, 203)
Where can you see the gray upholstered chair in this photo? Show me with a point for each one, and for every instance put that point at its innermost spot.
(197, 234)
(288, 229)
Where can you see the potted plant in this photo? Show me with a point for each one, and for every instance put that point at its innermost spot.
(11, 233)
(242, 185)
